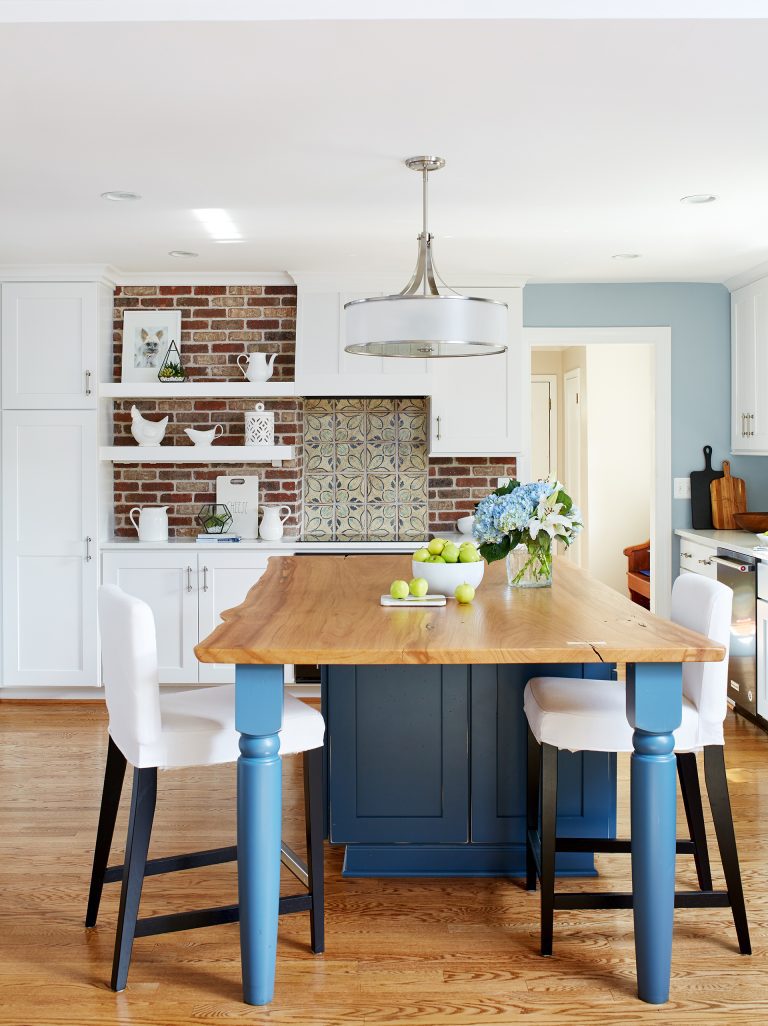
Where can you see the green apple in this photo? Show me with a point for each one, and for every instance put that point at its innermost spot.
(421, 555)
(464, 593)
(419, 587)
(469, 555)
(436, 546)
(435, 559)
(399, 589)
(450, 553)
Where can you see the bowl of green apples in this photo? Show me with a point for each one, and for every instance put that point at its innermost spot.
(445, 565)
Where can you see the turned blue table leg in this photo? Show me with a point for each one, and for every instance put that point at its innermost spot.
(258, 718)
(654, 709)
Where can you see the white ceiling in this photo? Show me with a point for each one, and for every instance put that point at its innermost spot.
(566, 142)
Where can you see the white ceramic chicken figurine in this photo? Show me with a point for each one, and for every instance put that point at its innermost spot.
(147, 432)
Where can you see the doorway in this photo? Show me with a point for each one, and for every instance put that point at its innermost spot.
(613, 443)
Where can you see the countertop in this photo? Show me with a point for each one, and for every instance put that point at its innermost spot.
(285, 547)
(739, 541)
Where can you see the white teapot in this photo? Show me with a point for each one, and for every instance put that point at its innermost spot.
(271, 527)
(259, 366)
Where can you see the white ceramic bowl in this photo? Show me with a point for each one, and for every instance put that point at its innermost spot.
(464, 524)
(444, 578)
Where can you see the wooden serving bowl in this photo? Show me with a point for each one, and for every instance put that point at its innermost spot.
(755, 522)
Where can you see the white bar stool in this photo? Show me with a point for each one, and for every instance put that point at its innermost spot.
(589, 715)
(190, 728)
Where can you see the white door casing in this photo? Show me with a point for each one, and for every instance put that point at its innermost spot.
(543, 426)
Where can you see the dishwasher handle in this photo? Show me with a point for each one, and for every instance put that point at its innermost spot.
(733, 564)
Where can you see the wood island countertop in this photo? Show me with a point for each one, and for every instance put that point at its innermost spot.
(325, 609)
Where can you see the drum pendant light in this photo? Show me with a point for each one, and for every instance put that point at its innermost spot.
(422, 322)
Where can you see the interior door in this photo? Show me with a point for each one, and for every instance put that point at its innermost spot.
(167, 582)
(50, 566)
(543, 426)
(224, 579)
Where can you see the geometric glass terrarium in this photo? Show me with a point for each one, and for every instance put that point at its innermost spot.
(172, 369)
(215, 518)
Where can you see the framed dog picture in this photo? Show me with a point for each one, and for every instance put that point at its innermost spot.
(147, 334)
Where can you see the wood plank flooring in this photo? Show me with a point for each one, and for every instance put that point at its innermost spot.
(406, 952)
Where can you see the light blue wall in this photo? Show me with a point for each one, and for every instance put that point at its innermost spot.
(699, 316)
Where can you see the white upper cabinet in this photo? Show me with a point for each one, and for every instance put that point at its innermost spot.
(322, 366)
(50, 559)
(749, 369)
(49, 345)
(477, 402)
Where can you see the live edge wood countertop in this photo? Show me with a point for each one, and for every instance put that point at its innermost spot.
(325, 609)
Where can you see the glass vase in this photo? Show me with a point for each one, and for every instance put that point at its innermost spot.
(527, 569)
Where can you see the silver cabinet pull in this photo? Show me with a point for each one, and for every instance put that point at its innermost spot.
(87, 382)
(205, 578)
(706, 562)
(88, 556)
(686, 555)
(751, 419)
(438, 428)
(743, 425)
(189, 578)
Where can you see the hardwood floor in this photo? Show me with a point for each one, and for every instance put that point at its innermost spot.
(421, 952)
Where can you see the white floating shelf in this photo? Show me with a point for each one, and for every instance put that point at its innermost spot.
(199, 390)
(274, 454)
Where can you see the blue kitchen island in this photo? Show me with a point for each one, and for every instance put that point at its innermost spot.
(426, 770)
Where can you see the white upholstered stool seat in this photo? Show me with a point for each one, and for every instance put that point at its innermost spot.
(197, 728)
(590, 716)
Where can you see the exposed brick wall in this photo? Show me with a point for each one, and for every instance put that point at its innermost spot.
(186, 486)
(457, 483)
(218, 322)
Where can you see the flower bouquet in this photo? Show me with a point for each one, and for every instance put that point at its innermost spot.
(520, 522)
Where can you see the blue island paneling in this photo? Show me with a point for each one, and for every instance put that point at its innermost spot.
(427, 768)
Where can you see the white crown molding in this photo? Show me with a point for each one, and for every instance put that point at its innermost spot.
(738, 281)
(391, 283)
(101, 273)
(202, 278)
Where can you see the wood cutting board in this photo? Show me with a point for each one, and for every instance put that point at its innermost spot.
(729, 496)
(701, 496)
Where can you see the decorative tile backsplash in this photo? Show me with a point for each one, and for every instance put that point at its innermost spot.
(365, 469)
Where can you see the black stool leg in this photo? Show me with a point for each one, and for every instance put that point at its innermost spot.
(717, 789)
(313, 811)
(688, 773)
(532, 808)
(548, 842)
(110, 802)
(139, 829)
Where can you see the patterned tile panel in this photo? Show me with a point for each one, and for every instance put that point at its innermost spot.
(365, 469)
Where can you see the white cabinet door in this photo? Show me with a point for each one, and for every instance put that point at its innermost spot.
(49, 344)
(322, 366)
(477, 402)
(50, 566)
(224, 579)
(749, 363)
(167, 582)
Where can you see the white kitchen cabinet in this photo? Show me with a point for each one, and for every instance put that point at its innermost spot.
(479, 403)
(697, 559)
(186, 592)
(50, 335)
(168, 583)
(324, 369)
(224, 579)
(749, 369)
(50, 564)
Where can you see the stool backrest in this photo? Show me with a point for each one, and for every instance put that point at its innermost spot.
(704, 606)
(129, 661)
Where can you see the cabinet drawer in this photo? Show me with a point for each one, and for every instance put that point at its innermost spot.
(697, 558)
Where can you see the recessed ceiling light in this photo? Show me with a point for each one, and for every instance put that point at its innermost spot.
(120, 196)
(699, 197)
(182, 253)
(626, 256)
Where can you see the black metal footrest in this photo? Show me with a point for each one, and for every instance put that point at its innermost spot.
(616, 899)
(175, 863)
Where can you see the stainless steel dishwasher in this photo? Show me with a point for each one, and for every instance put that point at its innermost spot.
(738, 572)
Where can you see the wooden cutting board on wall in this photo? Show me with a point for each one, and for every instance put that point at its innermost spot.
(729, 496)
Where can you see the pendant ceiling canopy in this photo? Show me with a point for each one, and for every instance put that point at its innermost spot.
(422, 322)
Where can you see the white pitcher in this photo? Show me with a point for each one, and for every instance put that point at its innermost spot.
(153, 523)
(259, 366)
(271, 527)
